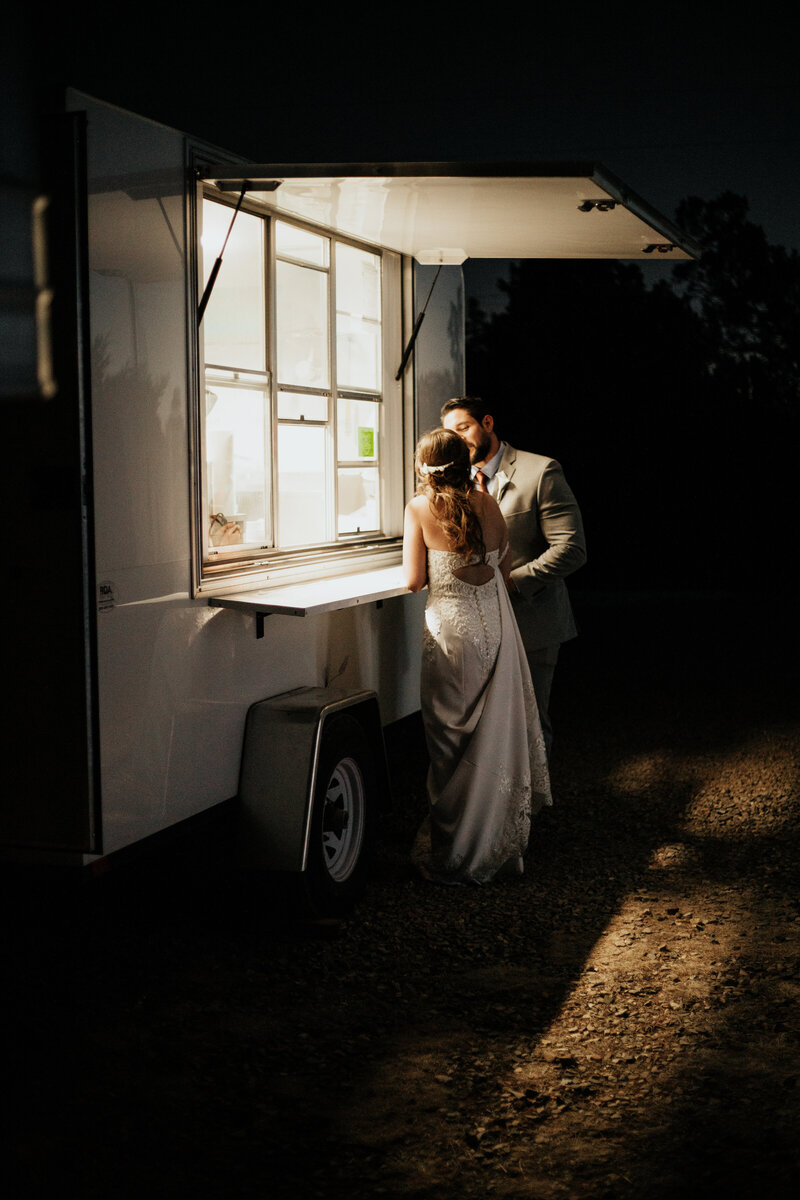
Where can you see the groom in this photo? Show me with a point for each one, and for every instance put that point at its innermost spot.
(545, 533)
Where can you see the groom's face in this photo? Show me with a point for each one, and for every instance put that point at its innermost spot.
(479, 435)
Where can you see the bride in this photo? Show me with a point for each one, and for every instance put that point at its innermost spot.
(488, 767)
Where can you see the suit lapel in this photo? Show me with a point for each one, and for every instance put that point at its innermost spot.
(505, 472)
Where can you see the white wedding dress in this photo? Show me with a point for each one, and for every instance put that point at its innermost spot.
(488, 766)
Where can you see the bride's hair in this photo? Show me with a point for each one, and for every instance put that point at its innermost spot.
(442, 465)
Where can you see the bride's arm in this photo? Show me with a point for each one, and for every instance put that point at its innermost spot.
(415, 558)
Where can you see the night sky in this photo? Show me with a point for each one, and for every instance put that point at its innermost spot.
(679, 99)
(684, 100)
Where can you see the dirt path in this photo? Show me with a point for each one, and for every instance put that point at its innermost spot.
(621, 1023)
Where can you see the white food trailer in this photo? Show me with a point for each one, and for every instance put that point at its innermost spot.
(233, 371)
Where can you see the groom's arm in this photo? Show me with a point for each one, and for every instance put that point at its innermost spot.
(557, 533)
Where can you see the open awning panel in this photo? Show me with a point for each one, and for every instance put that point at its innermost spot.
(446, 213)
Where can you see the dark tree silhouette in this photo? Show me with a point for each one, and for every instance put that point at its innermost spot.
(748, 295)
(662, 402)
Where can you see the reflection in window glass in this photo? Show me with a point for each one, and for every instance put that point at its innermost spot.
(301, 485)
(358, 314)
(301, 244)
(358, 499)
(300, 406)
(234, 321)
(236, 465)
(302, 326)
(357, 430)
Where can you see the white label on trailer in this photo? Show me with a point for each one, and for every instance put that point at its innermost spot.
(105, 596)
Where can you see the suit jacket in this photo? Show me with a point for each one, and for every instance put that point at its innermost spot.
(547, 543)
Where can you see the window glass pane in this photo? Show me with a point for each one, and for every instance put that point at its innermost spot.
(300, 406)
(302, 323)
(358, 499)
(301, 485)
(358, 314)
(237, 479)
(291, 242)
(357, 429)
(234, 322)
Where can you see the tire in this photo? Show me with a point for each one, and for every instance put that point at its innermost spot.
(341, 820)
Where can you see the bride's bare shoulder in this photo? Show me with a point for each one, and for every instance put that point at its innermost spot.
(488, 513)
(485, 506)
(417, 505)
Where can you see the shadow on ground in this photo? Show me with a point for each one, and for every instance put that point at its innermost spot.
(174, 1031)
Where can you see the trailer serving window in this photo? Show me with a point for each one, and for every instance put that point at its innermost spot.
(299, 422)
(302, 424)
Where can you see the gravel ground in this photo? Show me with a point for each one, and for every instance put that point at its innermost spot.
(622, 1022)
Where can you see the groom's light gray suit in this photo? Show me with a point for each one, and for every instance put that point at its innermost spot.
(547, 542)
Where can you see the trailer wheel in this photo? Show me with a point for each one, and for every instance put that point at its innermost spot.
(341, 820)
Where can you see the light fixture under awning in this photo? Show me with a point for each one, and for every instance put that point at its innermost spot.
(447, 212)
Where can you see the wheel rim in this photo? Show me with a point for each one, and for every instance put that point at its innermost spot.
(343, 819)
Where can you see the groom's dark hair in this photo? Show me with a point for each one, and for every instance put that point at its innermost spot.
(476, 407)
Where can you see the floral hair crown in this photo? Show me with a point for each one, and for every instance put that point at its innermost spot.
(426, 469)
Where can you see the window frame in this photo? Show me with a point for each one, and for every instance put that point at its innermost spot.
(343, 553)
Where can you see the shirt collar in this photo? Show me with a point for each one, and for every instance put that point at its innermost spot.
(490, 468)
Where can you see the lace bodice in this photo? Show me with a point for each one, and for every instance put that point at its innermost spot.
(469, 611)
(442, 564)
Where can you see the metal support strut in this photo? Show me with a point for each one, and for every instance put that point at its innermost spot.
(415, 330)
(212, 279)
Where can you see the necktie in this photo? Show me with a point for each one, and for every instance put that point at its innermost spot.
(480, 480)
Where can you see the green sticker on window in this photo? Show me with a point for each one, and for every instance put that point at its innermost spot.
(366, 442)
